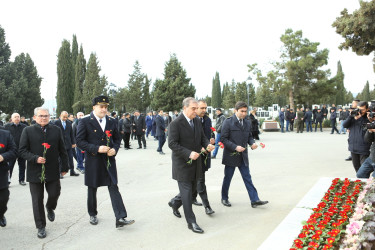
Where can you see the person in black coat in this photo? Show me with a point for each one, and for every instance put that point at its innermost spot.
(139, 128)
(8, 153)
(127, 129)
(31, 148)
(15, 128)
(70, 142)
(236, 135)
(358, 146)
(333, 121)
(318, 120)
(160, 131)
(186, 139)
(255, 125)
(308, 120)
(206, 160)
(92, 137)
(79, 153)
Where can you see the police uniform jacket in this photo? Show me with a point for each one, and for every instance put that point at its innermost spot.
(9, 153)
(233, 135)
(90, 137)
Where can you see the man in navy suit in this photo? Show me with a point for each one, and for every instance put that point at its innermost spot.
(70, 142)
(236, 135)
(99, 137)
(160, 131)
(8, 153)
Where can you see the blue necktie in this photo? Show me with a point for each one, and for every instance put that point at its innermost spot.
(191, 124)
(64, 125)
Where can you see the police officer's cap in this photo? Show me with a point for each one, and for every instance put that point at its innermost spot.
(100, 100)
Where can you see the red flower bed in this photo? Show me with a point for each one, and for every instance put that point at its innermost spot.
(327, 223)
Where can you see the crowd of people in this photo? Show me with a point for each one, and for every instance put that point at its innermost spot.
(46, 149)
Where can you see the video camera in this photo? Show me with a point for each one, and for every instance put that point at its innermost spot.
(371, 125)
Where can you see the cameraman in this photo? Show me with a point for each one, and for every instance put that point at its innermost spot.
(359, 148)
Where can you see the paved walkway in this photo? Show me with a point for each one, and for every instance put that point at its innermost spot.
(282, 172)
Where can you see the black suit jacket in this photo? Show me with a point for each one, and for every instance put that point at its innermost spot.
(9, 153)
(90, 137)
(160, 126)
(182, 140)
(140, 125)
(31, 149)
(69, 138)
(233, 135)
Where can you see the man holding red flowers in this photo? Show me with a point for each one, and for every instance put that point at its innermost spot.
(31, 148)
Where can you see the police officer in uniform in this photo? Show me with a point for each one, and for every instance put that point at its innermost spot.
(92, 138)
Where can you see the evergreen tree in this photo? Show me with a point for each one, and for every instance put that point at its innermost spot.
(80, 71)
(175, 84)
(229, 99)
(65, 79)
(349, 97)
(92, 83)
(365, 96)
(208, 100)
(252, 94)
(340, 89)
(146, 97)
(74, 50)
(241, 92)
(135, 87)
(5, 53)
(216, 91)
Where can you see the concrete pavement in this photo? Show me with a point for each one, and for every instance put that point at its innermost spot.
(282, 172)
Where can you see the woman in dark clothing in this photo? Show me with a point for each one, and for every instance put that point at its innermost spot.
(254, 125)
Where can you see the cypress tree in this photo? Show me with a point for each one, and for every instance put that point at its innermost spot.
(341, 92)
(91, 83)
(146, 97)
(65, 79)
(74, 50)
(216, 91)
(80, 71)
(135, 86)
(366, 93)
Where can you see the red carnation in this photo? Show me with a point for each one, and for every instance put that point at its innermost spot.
(46, 145)
(213, 129)
(2, 145)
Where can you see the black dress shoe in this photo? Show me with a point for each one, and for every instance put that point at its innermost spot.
(42, 233)
(258, 203)
(144, 147)
(195, 202)
(3, 222)
(139, 148)
(123, 222)
(209, 210)
(175, 211)
(22, 183)
(93, 220)
(162, 153)
(50, 214)
(126, 148)
(195, 228)
(74, 174)
(348, 159)
(226, 203)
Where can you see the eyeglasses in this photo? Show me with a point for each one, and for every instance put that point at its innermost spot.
(43, 116)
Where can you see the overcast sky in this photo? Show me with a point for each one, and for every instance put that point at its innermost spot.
(207, 36)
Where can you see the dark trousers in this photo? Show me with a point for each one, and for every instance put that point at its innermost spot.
(70, 159)
(291, 125)
(21, 167)
(149, 128)
(141, 139)
(185, 198)
(320, 124)
(4, 198)
(246, 177)
(37, 196)
(74, 153)
(127, 140)
(161, 139)
(333, 125)
(358, 160)
(116, 200)
(300, 127)
(202, 190)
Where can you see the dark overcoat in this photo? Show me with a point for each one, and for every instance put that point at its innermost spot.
(140, 125)
(31, 149)
(207, 125)
(160, 126)
(68, 134)
(182, 140)
(9, 153)
(233, 135)
(90, 137)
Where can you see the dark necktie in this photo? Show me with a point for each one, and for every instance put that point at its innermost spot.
(202, 120)
(191, 124)
(43, 129)
(241, 122)
(100, 120)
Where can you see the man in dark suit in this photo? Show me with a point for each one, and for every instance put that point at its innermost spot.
(127, 128)
(98, 136)
(32, 149)
(236, 135)
(139, 129)
(15, 128)
(8, 153)
(79, 153)
(186, 139)
(160, 131)
(69, 139)
(308, 120)
(206, 159)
